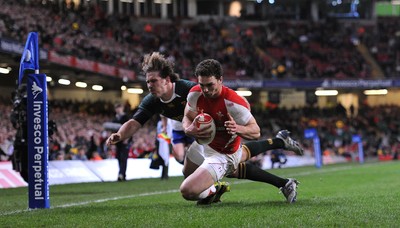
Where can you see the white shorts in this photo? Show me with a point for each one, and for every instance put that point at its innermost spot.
(195, 153)
(218, 165)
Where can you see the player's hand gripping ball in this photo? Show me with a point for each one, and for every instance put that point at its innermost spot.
(203, 121)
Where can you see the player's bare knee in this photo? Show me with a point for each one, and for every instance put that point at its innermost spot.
(187, 192)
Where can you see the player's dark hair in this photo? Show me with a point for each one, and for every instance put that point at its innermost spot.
(157, 62)
(209, 68)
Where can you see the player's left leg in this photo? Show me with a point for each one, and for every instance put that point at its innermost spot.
(204, 183)
(198, 185)
(281, 141)
(194, 158)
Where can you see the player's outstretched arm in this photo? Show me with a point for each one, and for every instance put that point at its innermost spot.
(127, 130)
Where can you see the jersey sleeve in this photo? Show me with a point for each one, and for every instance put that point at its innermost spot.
(146, 110)
(238, 108)
(192, 98)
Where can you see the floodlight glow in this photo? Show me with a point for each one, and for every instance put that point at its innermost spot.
(376, 92)
(244, 93)
(97, 87)
(64, 81)
(81, 84)
(5, 70)
(326, 92)
(135, 90)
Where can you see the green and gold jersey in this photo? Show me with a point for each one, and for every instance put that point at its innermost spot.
(173, 109)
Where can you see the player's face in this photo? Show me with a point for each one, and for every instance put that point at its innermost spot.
(156, 84)
(210, 86)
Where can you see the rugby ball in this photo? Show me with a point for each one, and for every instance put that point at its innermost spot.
(203, 121)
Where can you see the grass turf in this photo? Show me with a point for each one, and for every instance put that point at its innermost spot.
(344, 195)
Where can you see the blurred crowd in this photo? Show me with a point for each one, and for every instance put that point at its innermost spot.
(80, 133)
(377, 126)
(303, 49)
(383, 42)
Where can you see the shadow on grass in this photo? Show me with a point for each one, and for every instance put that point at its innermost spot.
(275, 204)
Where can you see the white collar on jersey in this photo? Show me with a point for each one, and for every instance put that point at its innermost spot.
(173, 95)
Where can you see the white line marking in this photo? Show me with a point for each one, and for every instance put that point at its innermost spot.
(165, 192)
(96, 201)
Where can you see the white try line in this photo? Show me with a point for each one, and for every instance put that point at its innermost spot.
(95, 201)
(327, 170)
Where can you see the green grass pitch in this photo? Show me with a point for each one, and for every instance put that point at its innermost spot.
(344, 195)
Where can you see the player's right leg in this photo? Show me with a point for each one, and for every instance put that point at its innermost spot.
(289, 190)
(288, 186)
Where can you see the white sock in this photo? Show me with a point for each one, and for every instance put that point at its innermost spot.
(209, 191)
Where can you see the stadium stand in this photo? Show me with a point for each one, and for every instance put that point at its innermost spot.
(79, 127)
(326, 49)
(248, 50)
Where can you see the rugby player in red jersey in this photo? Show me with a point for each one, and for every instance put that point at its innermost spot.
(233, 120)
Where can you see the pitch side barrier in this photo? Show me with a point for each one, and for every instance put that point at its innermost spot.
(75, 171)
(37, 124)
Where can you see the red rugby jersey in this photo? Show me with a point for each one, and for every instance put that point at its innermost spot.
(228, 102)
